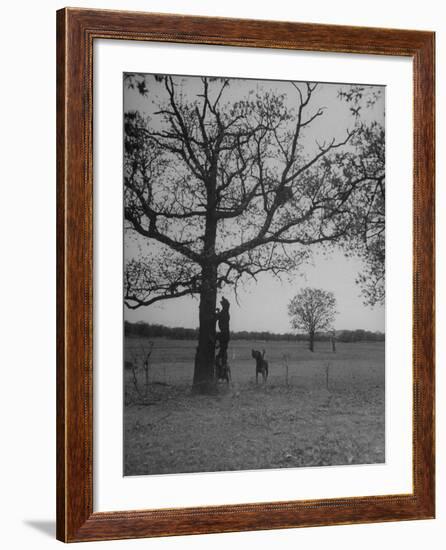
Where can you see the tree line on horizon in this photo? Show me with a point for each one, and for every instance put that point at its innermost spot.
(141, 329)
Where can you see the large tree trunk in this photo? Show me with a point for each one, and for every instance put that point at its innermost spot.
(204, 378)
(204, 371)
(311, 341)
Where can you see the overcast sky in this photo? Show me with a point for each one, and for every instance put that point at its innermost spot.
(263, 306)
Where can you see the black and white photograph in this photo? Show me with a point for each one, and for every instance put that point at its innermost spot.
(223, 308)
(254, 274)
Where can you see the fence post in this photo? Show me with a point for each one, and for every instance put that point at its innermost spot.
(285, 360)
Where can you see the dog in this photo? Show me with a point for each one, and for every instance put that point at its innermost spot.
(261, 365)
(223, 370)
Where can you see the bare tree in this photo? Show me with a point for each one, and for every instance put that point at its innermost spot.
(227, 191)
(311, 310)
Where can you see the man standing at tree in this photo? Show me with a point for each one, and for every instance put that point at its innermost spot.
(223, 335)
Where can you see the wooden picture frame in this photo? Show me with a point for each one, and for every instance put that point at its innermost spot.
(76, 31)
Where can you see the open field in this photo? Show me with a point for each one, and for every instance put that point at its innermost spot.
(328, 409)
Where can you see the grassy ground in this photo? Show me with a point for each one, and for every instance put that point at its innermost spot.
(302, 418)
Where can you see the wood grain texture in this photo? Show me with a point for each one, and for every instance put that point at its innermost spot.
(76, 31)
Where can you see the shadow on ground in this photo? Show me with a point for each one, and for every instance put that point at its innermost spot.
(45, 526)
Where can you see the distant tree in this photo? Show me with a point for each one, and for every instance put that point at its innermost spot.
(311, 310)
